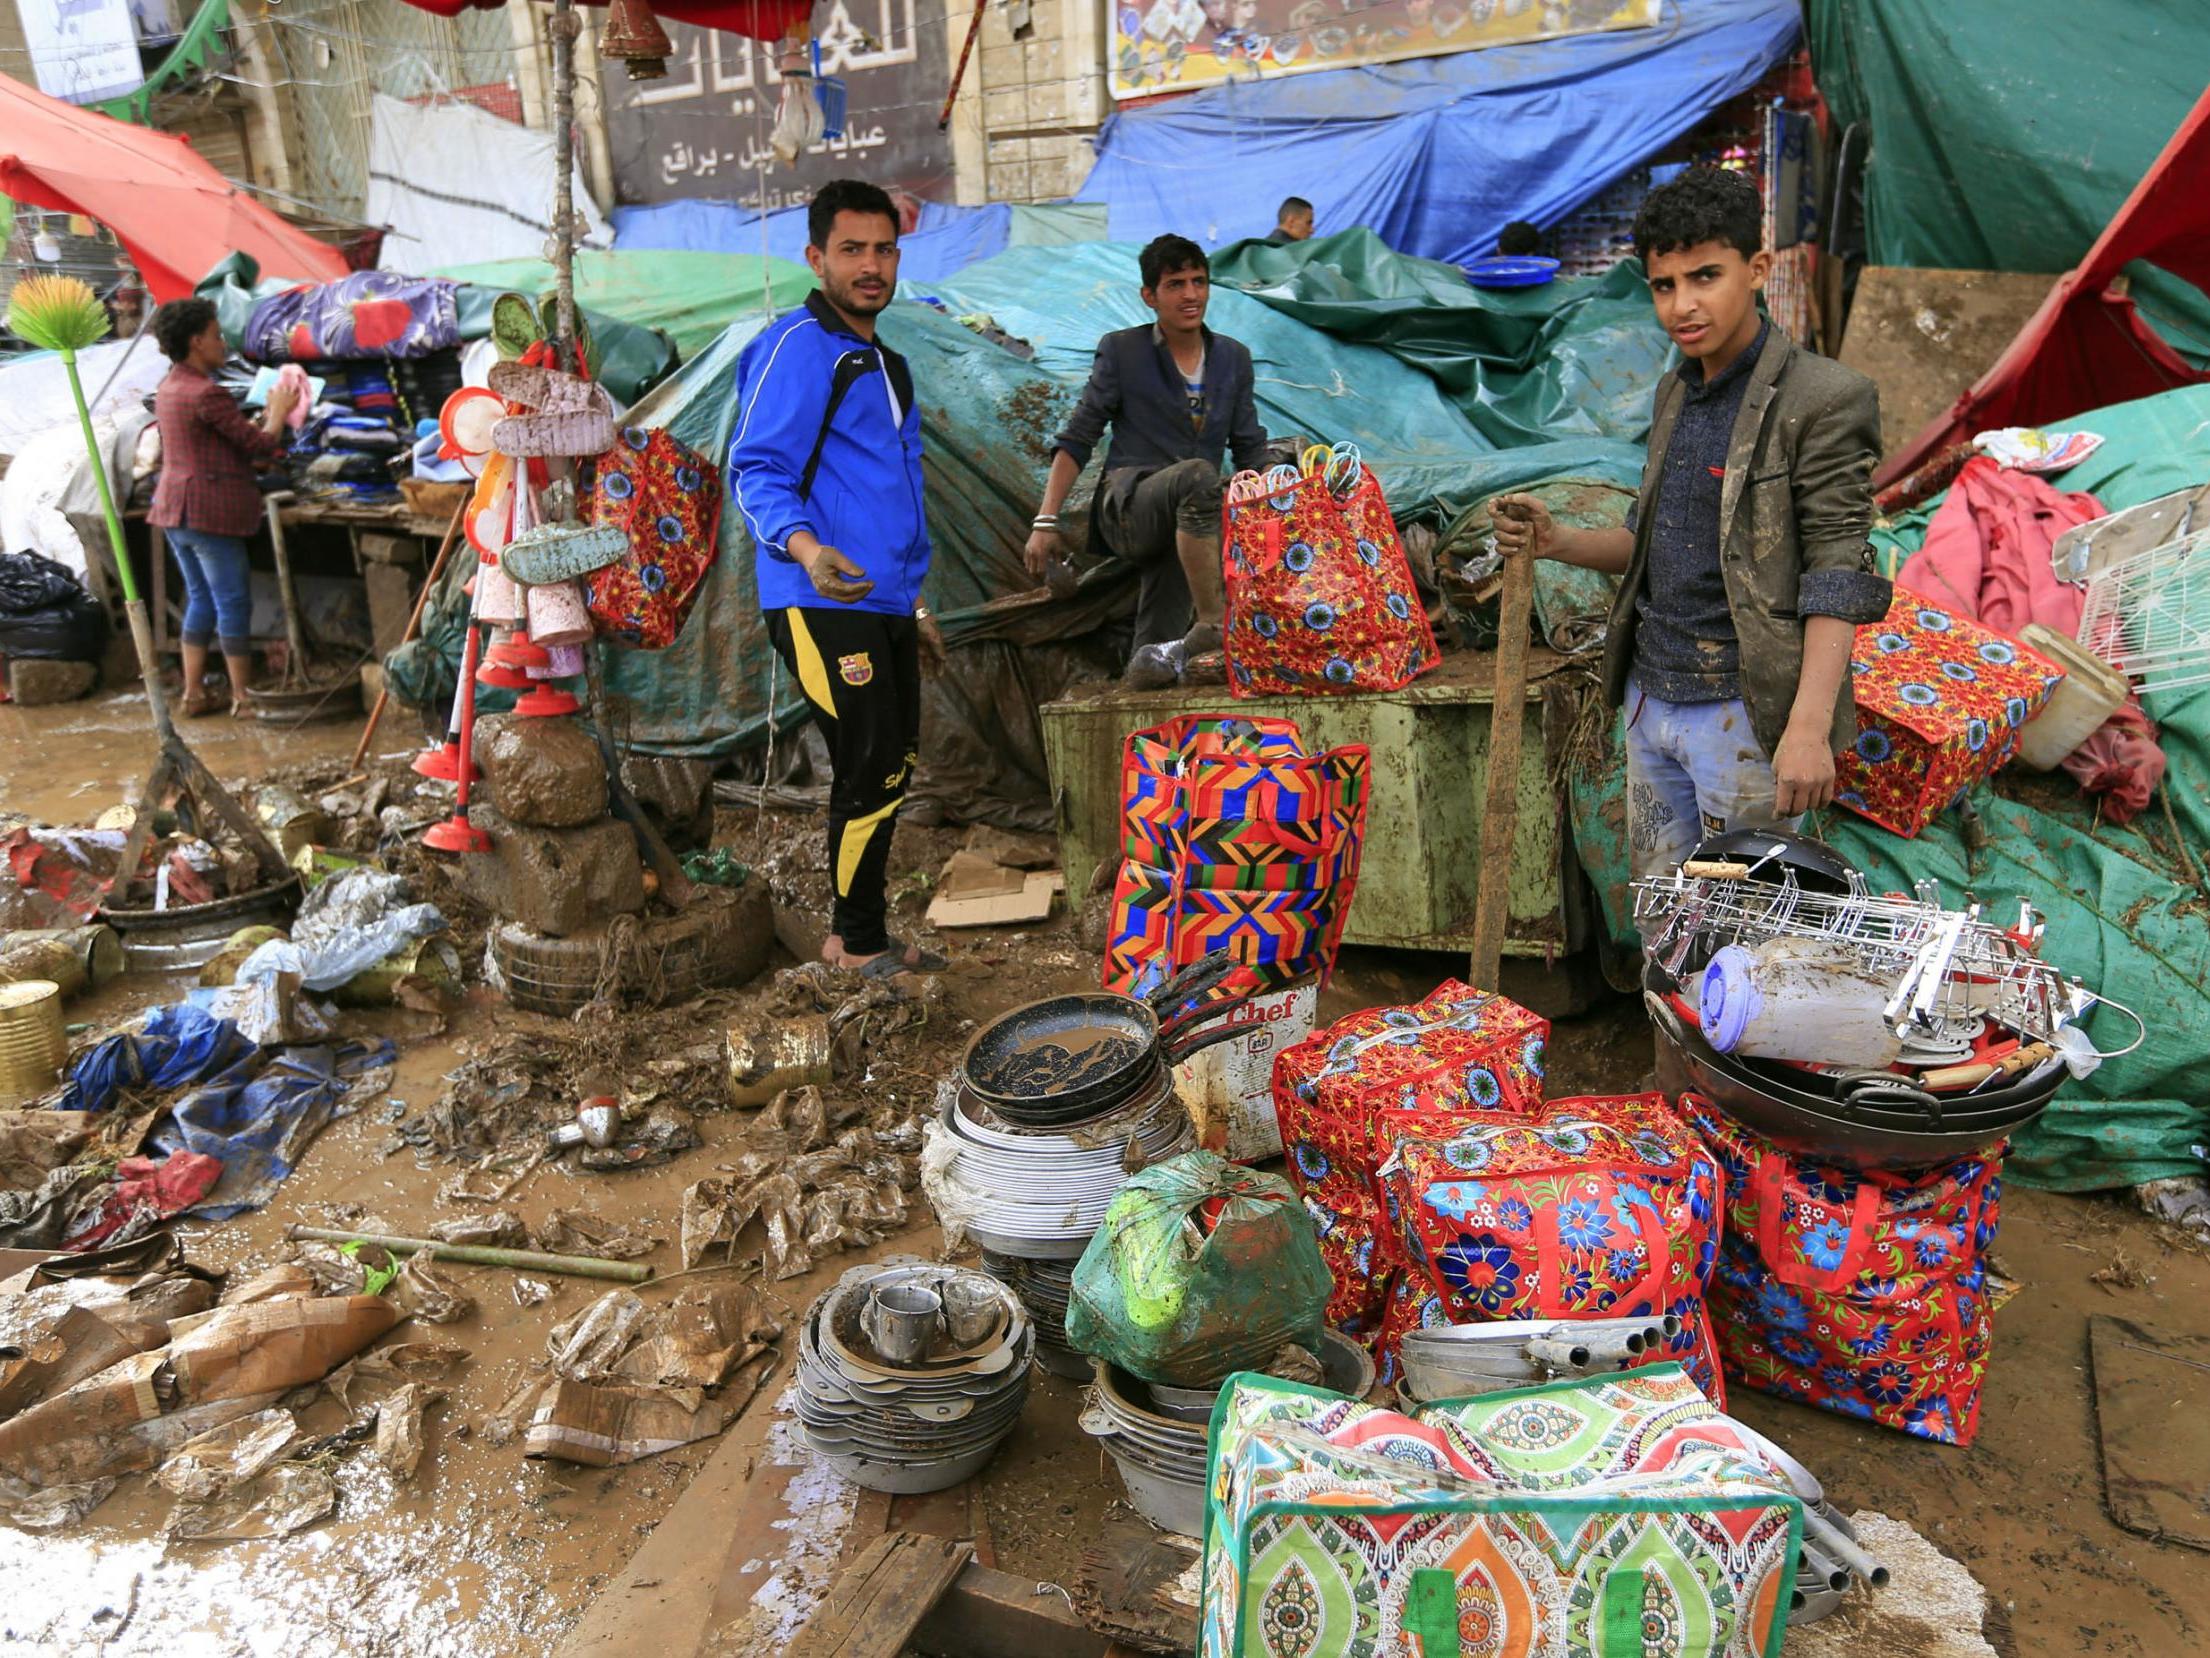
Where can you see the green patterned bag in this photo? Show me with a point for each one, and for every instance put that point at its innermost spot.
(1620, 1518)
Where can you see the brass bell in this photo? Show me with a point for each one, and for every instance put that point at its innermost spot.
(634, 35)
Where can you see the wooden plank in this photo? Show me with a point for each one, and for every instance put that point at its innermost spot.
(882, 1597)
(1126, 1587)
(993, 1614)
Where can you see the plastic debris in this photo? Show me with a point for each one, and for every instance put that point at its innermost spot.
(226, 1457)
(278, 1503)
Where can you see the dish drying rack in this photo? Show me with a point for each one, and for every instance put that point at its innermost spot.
(1952, 971)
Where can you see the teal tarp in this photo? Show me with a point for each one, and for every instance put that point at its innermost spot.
(2126, 912)
(2005, 138)
(1526, 365)
(1430, 456)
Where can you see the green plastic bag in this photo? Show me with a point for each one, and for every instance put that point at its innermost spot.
(1202, 1268)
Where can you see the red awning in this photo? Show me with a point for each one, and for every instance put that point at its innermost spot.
(2088, 346)
(174, 214)
(757, 19)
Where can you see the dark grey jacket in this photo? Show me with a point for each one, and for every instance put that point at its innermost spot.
(1796, 504)
(1136, 390)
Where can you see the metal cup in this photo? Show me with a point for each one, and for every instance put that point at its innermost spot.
(902, 1321)
(970, 1312)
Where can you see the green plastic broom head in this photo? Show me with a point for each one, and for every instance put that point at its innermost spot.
(57, 313)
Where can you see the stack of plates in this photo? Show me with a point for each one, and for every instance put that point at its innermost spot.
(1044, 1288)
(919, 1428)
(1039, 1194)
(1159, 1444)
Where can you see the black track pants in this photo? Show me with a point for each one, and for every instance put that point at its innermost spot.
(861, 673)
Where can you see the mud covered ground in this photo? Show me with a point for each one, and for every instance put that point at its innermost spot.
(486, 1553)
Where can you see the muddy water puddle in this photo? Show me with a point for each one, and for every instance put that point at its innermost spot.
(69, 762)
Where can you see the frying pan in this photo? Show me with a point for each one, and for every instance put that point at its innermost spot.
(1805, 1123)
(1157, 1025)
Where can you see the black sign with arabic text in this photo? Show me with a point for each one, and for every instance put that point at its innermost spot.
(704, 130)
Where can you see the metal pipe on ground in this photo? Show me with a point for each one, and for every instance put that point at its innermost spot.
(481, 1255)
(1831, 1540)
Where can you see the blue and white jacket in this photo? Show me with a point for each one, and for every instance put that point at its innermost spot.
(864, 495)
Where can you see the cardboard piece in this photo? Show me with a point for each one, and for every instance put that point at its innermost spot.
(277, 1345)
(975, 890)
(76, 1344)
(603, 1425)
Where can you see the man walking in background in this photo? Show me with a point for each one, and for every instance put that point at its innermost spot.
(1175, 395)
(826, 468)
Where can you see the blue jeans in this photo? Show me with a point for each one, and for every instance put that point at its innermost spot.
(1693, 769)
(218, 589)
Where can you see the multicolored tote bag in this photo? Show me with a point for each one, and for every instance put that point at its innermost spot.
(1233, 838)
(1320, 596)
(1456, 1050)
(1941, 701)
(1863, 1294)
(1600, 1207)
(1605, 1519)
(667, 498)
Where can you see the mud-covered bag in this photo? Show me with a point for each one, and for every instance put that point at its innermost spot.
(1201, 1268)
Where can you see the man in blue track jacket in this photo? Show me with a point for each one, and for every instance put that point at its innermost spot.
(826, 469)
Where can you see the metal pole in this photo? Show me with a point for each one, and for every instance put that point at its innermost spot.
(564, 27)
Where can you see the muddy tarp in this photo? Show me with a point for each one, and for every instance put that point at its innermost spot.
(2128, 909)
(1527, 366)
(2002, 148)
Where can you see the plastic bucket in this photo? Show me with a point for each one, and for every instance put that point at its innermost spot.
(32, 1041)
(1797, 998)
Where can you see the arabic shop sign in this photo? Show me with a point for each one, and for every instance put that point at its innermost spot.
(82, 51)
(704, 130)
(1175, 45)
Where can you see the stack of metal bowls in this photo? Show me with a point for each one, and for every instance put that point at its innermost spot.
(1459, 1361)
(1036, 1196)
(1858, 1123)
(1044, 1287)
(1158, 1435)
(934, 1419)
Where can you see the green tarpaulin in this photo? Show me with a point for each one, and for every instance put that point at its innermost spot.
(690, 297)
(2128, 913)
(1525, 365)
(2006, 137)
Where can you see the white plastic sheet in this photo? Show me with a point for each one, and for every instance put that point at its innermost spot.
(458, 186)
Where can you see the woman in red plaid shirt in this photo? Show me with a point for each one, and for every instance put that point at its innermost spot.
(207, 500)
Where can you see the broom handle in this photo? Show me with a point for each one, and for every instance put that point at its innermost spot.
(421, 599)
(141, 630)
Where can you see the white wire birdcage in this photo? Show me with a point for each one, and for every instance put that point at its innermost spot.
(2148, 616)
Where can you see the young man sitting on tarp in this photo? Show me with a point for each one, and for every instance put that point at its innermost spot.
(1175, 394)
(1745, 560)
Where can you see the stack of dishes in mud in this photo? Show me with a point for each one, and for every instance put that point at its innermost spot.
(1034, 1197)
(910, 1375)
(1158, 1435)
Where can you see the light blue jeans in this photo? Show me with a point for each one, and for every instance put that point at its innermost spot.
(218, 589)
(1693, 769)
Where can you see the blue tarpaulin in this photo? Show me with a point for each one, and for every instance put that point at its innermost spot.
(255, 1110)
(259, 1128)
(1435, 155)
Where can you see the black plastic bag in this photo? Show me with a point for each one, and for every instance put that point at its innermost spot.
(46, 613)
